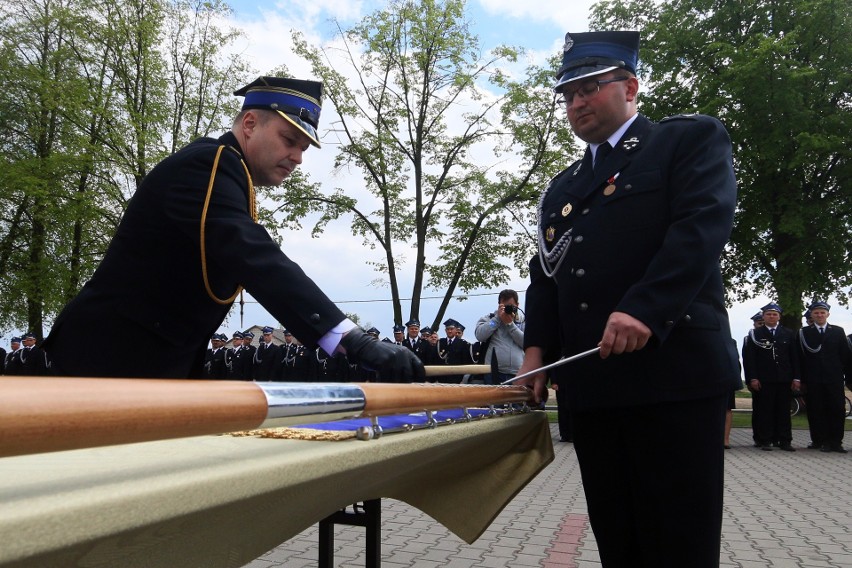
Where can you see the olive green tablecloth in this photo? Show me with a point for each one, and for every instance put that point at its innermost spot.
(223, 501)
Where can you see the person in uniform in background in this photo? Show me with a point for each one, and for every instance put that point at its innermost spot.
(240, 357)
(412, 335)
(330, 368)
(199, 204)
(398, 334)
(12, 360)
(215, 366)
(454, 350)
(267, 358)
(31, 357)
(248, 356)
(629, 244)
(825, 358)
(297, 360)
(771, 365)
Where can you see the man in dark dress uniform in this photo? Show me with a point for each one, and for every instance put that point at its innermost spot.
(215, 366)
(628, 260)
(189, 242)
(454, 350)
(825, 358)
(31, 357)
(12, 361)
(412, 337)
(267, 358)
(296, 360)
(771, 364)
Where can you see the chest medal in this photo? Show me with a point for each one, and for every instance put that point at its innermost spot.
(550, 234)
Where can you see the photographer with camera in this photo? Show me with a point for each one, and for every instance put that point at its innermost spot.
(501, 334)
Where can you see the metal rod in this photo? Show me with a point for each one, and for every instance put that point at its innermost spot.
(558, 363)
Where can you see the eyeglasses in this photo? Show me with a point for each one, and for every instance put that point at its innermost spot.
(586, 90)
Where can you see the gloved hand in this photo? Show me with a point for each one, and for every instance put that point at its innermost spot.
(394, 363)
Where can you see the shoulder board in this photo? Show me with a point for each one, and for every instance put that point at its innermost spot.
(681, 117)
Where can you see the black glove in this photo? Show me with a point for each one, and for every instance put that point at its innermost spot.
(393, 363)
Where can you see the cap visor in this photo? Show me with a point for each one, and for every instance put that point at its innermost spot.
(306, 128)
(581, 73)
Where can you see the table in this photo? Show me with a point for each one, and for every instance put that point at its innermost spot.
(223, 501)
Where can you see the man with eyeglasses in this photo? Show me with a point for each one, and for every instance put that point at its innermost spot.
(630, 238)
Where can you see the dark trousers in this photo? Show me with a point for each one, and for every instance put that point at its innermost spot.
(826, 413)
(654, 480)
(770, 418)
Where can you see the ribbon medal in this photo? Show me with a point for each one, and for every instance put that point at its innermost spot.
(610, 188)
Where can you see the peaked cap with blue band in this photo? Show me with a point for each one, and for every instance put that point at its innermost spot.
(594, 53)
(297, 101)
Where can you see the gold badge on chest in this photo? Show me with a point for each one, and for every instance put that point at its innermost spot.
(566, 210)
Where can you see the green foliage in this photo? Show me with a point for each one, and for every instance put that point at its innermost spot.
(452, 152)
(95, 93)
(776, 73)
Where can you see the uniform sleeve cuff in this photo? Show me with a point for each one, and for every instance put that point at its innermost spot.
(331, 339)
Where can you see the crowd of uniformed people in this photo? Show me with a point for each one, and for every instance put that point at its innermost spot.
(276, 355)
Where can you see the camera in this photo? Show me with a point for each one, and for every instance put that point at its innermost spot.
(509, 309)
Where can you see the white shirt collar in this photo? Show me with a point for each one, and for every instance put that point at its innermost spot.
(615, 136)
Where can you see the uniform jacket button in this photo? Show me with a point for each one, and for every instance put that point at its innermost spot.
(669, 323)
(578, 239)
(584, 306)
(315, 318)
(580, 273)
(584, 211)
(687, 318)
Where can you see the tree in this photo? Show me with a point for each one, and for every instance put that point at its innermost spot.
(97, 91)
(775, 72)
(419, 107)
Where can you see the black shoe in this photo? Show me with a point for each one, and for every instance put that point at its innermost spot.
(839, 449)
(813, 446)
(787, 448)
(766, 448)
(727, 447)
(825, 449)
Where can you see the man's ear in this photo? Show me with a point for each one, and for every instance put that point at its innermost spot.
(632, 88)
(249, 122)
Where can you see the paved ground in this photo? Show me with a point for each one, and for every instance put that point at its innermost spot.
(802, 519)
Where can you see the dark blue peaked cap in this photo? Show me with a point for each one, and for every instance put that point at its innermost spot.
(594, 53)
(757, 317)
(297, 101)
(452, 323)
(773, 307)
(820, 304)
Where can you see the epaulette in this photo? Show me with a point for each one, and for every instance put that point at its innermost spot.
(693, 116)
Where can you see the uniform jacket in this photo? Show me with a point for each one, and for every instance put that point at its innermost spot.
(649, 246)
(772, 359)
(149, 287)
(824, 357)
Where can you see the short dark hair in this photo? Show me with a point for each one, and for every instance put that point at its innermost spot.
(507, 294)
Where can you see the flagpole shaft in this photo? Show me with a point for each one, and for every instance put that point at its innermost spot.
(47, 414)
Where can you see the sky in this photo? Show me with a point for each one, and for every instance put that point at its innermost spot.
(337, 260)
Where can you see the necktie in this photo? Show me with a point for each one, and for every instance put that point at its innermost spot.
(772, 331)
(601, 154)
(821, 330)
